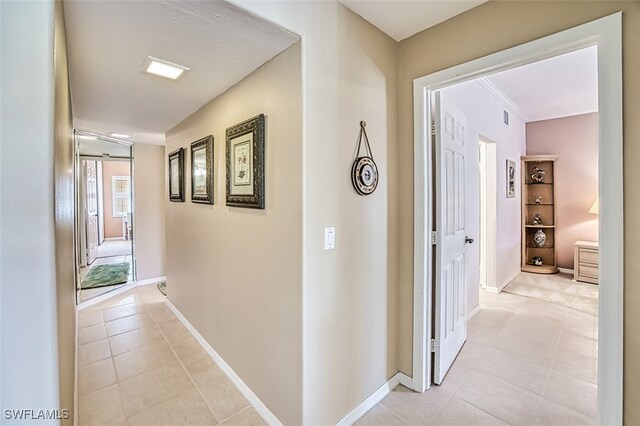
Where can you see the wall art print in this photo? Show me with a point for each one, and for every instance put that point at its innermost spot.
(202, 170)
(511, 179)
(176, 175)
(245, 163)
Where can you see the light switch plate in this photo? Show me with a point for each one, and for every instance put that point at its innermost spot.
(329, 238)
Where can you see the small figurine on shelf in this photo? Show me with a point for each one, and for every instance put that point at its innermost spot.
(537, 199)
(537, 219)
(539, 238)
(538, 175)
(537, 260)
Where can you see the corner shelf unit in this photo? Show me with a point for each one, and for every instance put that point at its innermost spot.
(538, 198)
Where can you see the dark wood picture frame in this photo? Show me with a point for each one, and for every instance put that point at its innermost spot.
(511, 179)
(245, 163)
(178, 155)
(205, 144)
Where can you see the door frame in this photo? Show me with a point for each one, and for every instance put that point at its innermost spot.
(77, 182)
(606, 33)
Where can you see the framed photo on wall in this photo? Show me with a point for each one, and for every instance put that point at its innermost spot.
(245, 163)
(202, 170)
(176, 175)
(511, 179)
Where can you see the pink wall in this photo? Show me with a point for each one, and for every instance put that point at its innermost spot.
(112, 225)
(575, 141)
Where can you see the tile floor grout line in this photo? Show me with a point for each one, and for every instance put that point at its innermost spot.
(124, 414)
(155, 323)
(184, 368)
(390, 411)
(439, 410)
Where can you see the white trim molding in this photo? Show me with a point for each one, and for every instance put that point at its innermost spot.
(566, 271)
(377, 396)
(151, 281)
(473, 312)
(491, 88)
(253, 399)
(606, 34)
(506, 282)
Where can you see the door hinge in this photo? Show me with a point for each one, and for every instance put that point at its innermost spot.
(434, 237)
(433, 345)
(433, 128)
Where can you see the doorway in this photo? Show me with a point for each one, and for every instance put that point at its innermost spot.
(488, 202)
(105, 258)
(605, 34)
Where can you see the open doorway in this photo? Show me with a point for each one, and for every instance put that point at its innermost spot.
(487, 207)
(104, 215)
(432, 307)
(534, 327)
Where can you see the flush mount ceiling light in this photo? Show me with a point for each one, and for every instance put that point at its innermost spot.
(162, 68)
(119, 135)
(88, 138)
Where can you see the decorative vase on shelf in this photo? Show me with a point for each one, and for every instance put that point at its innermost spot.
(538, 175)
(537, 199)
(539, 238)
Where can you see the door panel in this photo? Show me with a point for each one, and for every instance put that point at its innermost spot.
(450, 279)
(92, 212)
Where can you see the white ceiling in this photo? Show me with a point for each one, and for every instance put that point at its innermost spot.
(109, 40)
(400, 19)
(561, 86)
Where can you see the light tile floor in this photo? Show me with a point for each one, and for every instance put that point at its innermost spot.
(138, 365)
(525, 362)
(557, 288)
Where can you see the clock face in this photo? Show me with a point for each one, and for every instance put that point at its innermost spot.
(364, 175)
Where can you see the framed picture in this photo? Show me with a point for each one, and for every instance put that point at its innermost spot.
(511, 179)
(176, 175)
(245, 163)
(202, 171)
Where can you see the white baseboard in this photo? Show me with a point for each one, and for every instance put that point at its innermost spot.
(498, 289)
(156, 280)
(375, 397)
(566, 271)
(259, 406)
(473, 312)
(107, 295)
(405, 380)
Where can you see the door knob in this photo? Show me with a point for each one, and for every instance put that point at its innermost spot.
(468, 240)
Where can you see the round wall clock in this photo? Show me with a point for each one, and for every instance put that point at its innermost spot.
(364, 173)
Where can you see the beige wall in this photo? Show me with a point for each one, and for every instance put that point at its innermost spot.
(489, 28)
(575, 141)
(112, 225)
(149, 215)
(350, 296)
(350, 293)
(64, 216)
(236, 273)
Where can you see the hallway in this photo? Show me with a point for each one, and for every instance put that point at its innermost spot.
(138, 365)
(525, 362)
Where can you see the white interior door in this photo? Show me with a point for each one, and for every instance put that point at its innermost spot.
(100, 184)
(451, 238)
(92, 212)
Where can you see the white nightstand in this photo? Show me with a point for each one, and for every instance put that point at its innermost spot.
(586, 262)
